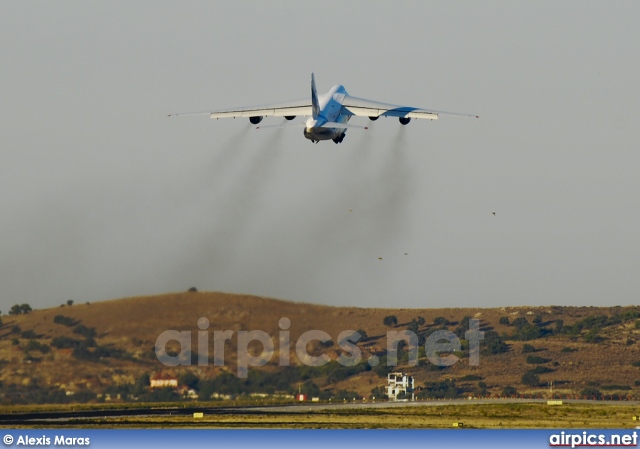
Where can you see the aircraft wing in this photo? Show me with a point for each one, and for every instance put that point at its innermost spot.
(368, 108)
(289, 108)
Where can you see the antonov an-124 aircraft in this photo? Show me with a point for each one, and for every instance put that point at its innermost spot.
(328, 114)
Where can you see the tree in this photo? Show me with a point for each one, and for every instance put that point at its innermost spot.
(482, 389)
(189, 379)
(528, 332)
(15, 310)
(420, 320)
(509, 391)
(504, 320)
(559, 326)
(591, 392)
(390, 320)
(363, 334)
(528, 348)
(310, 389)
(69, 302)
(520, 322)
(531, 379)
(493, 343)
(18, 309)
(537, 319)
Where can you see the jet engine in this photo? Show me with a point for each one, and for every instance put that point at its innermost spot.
(373, 119)
(405, 120)
(255, 120)
(289, 117)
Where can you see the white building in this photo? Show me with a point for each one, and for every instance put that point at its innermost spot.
(400, 384)
(163, 380)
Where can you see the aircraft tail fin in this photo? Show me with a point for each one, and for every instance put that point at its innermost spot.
(315, 106)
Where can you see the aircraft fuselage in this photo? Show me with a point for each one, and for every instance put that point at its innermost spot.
(330, 111)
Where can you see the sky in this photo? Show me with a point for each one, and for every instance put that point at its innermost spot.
(103, 196)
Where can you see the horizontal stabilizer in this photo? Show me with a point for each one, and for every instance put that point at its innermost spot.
(341, 125)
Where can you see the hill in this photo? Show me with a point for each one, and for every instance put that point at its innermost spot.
(109, 348)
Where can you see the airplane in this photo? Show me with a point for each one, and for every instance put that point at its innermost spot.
(328, 114)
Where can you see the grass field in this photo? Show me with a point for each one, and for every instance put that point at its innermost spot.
(490, 416)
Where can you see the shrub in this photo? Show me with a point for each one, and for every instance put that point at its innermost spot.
(536, 360)
(440, 321)
(541, 370)
(504, 320)
(29, 334)
(528, 348)
(85, 331)
(64, 320)
(69, 302)
(34, 345)
(567, 349)
(390, 320)
(616, 387)
(592, 336)
(63, 342)
(529, 332)
(470, 377)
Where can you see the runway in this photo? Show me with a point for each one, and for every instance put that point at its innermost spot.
(107, 416)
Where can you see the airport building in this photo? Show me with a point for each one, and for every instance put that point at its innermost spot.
(400, 387)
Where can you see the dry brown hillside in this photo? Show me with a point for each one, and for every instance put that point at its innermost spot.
(130, 327)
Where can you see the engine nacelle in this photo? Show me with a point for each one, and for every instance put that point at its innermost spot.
(255, 120)
(405, 120)
(373, 119)
(289, 117)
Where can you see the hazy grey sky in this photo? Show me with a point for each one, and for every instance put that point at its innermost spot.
(103, 196)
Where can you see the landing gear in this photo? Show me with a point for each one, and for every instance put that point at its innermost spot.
(340, 138)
